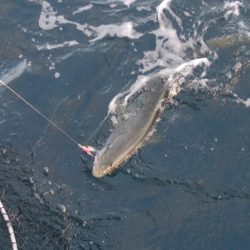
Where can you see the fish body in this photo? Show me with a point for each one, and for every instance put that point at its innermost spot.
(135, 122)
(11, 71)
(229, 41)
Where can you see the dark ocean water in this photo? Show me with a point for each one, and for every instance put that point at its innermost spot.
(188, 187)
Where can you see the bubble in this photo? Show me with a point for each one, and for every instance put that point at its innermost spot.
(57, 75)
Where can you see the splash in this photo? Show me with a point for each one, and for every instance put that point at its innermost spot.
(232, 8)
(245, 102)
(170, 50)
(169, 58)
(139, 83)
(82, 9)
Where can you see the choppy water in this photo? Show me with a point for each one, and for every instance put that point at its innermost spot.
(189, 187)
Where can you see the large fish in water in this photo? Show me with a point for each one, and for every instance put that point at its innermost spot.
(135, 120)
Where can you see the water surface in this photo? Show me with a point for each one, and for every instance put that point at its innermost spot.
(188, 188)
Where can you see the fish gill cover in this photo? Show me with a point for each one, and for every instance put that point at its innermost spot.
(82, 58)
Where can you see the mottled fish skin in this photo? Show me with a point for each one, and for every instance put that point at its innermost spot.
(142, 111)
(230, 41)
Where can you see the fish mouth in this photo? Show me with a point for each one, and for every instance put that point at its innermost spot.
(100, 172)
(101, 167)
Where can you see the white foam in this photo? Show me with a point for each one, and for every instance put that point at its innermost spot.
(179, 75)
(170, 51)
(247, 103)
(14, 72)
(242, 101)
(120, 30)
(176, 77)
(186, 13)
(192, 64)
(57, 75)
(114, 120)
(232, 8)
(141, 8)
(48, 46)
(113, 104)
(112, 5)
(82, 9)
(47, 19)
(161, 16)
(139, 83)
(86, 29)
(128, 2)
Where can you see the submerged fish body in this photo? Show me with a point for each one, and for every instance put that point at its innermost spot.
(134, 123)
(229, 41)
(10, 71)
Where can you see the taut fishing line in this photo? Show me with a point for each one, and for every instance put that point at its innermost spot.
(87, 149)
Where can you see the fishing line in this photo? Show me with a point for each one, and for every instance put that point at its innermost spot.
(86, 149)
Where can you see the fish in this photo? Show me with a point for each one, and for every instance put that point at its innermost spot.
(10, 71)
(229, 41)
(136, 117)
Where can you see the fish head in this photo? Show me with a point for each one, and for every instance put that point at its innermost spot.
(104, 164)
(110, 157)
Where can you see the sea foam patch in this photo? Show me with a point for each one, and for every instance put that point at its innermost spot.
(120, 30)
(82, 9)
(128, 2)
(48, 46)
(170, 50)
(49, 20)
(245, 102)
(232, 8)
(99, 32)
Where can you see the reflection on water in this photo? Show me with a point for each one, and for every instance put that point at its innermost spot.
(190, 189)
